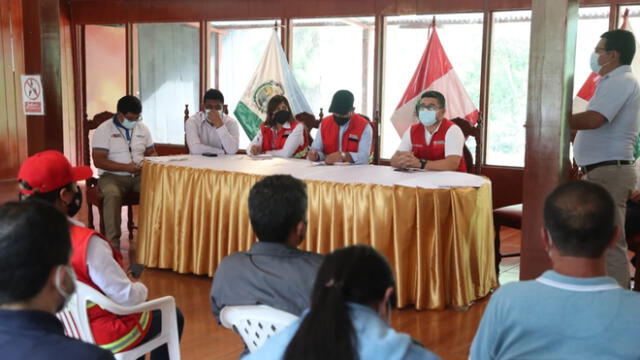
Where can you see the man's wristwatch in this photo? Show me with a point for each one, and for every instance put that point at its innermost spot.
(423, 163)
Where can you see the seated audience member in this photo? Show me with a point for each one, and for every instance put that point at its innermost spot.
(280, 134)
(119, 146)
(36, 281)
(274, 272)
(573, 311)
(49, 177)
(434, 143)
(349, 316)
(343, 136)
(212, 131)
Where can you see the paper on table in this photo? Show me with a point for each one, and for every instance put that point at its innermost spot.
(170, 158)
(260, 157)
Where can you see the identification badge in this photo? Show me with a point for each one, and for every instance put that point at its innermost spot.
(353, 137)
(439, 142)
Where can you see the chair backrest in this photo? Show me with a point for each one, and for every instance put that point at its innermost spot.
(74, 316)
(255, 323)
(88, 125)
(476, 133)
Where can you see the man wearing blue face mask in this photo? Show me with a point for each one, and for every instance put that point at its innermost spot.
(119, 146)
(434, 143)
(607, 131)
(344, 136)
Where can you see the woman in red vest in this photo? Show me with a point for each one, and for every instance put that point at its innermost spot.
(48, 176)
(280, 134)
(434, 143)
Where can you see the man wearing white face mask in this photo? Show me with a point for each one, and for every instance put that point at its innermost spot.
(119, 146)
(434, 143)
(49, 177)
(212, 131)
(606, 134)
(35, 283)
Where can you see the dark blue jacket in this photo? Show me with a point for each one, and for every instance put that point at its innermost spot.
(38, 335)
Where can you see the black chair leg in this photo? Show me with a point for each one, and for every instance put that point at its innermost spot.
(90, 208)
(130, 224)
(498, 256)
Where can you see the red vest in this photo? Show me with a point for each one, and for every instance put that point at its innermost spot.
(350, 139)
(112, 332)
(435, 149)
(272, 139)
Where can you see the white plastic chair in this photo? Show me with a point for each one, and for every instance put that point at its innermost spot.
(76, 320)
(255, 323)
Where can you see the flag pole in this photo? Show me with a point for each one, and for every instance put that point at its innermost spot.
(625, 19)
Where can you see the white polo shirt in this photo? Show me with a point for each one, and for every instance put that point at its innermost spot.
(122, 145)
(453, 140)
(617, 98)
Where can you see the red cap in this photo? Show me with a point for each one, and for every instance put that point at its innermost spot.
(50, 170)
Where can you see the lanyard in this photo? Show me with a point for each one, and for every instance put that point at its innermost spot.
(127, 141)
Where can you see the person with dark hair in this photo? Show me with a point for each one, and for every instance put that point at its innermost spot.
(36, 281)
(119, 146)
(349, 317)
(211, 130)
(49, 177)
(605, 134)
(274, 272)
(434, 142)
(343, 136)
(574, 311)
(280, 134)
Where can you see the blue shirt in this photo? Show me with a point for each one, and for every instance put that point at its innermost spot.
(560, 317)
(617, 98)
(37, 335)
(376, 340)
(364, 146)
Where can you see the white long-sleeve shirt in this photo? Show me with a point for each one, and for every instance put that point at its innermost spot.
(204, 137)
(293, 142)
(109, 276)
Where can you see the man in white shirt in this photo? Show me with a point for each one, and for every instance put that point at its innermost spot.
(574, 311)
(607, 131)
(119, 146)
(212, 131)
(433, 143)
(48, 176)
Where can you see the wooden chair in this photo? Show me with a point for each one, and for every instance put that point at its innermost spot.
(633, 242)
(476, 132)
(93, 195)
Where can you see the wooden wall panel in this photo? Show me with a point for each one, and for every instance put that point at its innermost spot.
(13, 134)
(506, 184)
(448, 6)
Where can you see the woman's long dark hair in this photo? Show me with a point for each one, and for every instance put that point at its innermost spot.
(356, 274)
(273, 103)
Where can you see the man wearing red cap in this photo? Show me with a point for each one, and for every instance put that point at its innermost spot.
(48, 176)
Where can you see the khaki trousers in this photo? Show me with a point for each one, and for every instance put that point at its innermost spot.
(620, 181)
(113, 188)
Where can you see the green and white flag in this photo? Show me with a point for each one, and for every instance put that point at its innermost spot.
(272, 77)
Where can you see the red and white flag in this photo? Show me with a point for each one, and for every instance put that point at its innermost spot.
(434, 72)
(589, 87)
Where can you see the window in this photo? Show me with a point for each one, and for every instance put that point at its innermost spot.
(167, 77)
(106, 65)
(236, 50)
(333, 54)
(407, 37)
(634, 17)
(592, 22)
(508, 88)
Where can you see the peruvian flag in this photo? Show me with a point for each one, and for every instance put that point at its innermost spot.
(434, 72)
(589, 87)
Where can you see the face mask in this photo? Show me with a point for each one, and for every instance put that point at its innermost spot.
(427, 117)
(340, 120)
(595, 67)
(129, 124)
(74, 206)
(59, 287)
(282, 116)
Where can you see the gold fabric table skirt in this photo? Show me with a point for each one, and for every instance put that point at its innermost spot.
(439, 242)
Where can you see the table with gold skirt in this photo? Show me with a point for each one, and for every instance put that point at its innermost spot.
(437, 239)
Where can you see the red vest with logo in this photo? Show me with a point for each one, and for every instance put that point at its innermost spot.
(272, 139)
(112, 332)
(435, 149)
(350, 139)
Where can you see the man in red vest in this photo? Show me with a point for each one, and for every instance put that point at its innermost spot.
(342, 136)
(48, 176)
(434, 143)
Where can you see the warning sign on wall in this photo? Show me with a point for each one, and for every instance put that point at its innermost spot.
(32, 96)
